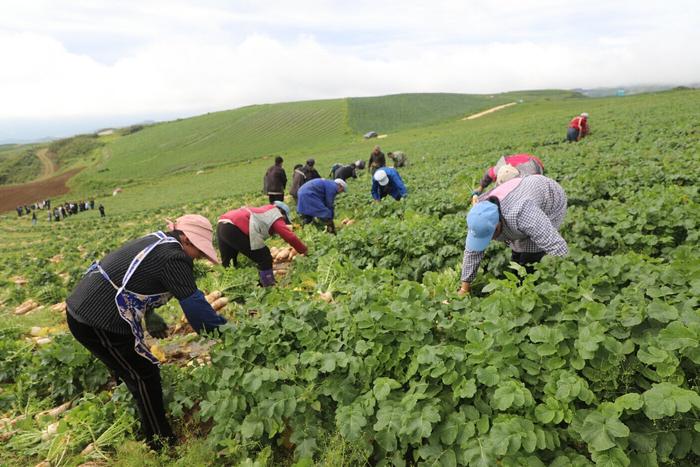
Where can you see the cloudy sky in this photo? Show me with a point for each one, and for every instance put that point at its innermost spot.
(74, 65)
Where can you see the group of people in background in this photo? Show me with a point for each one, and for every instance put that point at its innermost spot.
(60, 212)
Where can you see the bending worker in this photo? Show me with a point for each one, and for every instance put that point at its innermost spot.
(376, 159)
(526, 213)
(245, 230)
(578, 128)
(317, 199)
(387, 181)
(104, 311)
(525, 164)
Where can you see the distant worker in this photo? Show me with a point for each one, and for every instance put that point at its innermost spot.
(310, 171)
(106, 309)
(399, 158)
(33, 218)
(344, 172)
(525, 164)
(19, 211)
(317, 200)
(376, 160)
(275, 181)
(101, 208)
(578, 128)
(526, 213)
(387, 181)
(245, 230)
(298, 179)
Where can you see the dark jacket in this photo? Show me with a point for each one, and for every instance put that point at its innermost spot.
(376, 159)
(310, 173)
(344, 172)
(298, 179)
(275, 180)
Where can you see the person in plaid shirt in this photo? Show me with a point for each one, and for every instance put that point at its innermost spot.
(526, 214)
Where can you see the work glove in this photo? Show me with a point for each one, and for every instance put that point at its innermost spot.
(155, 325)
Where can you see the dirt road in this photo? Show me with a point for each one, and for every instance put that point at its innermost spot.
(488, 111)
(48, 167)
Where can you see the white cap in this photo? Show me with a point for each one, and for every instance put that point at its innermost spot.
(584, 114)
(381, 177)
(342, 183)
(505, 173)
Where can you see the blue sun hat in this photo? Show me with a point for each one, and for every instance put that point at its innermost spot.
(285, 208)
(481, 224)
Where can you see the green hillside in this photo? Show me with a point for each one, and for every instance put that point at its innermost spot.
(387, 114)
(221, 138)
(18, 164)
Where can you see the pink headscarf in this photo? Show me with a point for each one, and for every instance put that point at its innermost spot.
(199, 231)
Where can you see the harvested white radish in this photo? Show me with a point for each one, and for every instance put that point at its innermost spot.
(212, 297)
(219, 303)
(326, 296)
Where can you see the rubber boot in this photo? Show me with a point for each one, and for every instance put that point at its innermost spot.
(267, 278)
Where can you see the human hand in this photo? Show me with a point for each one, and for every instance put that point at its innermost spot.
(465, 289)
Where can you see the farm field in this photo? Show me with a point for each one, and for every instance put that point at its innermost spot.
(364, 354)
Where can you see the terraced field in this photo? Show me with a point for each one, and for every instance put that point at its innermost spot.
(215, 139)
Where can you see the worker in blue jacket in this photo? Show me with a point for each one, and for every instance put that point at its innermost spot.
(316, 198)
(387, 181)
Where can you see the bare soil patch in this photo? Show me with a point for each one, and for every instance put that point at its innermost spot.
(12, 196)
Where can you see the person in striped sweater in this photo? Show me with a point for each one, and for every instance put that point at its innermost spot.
(106, 309)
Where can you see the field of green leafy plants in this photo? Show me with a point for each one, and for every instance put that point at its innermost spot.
(591, 360)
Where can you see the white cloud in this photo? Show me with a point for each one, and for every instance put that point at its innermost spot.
(132, 57)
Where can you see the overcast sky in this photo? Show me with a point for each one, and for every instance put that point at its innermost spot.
(66, 63)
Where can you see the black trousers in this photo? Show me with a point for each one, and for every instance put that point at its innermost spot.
(141, 377)
(232, 241)
(274, 198)
(527, 259)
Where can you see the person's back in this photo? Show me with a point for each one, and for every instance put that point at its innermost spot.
(276, 181)
(376, 159)
(346, 171)
(399, 158)
(298, 179)
(310, 171)
(316, 197)
(578, 128)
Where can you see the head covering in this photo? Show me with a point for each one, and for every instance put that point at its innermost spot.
(381, 177)
(342, 183)
(198, 231)
(360, 164)
(310, 162)
(481, 224)
(584, 114)
(285, 208)
(505, 173)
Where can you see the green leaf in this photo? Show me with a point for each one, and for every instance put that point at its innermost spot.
(383, 386)
(631, 401)
(665, 399)
(488, 376)
(662, 311)
(449, 429)
(350, 420)
(611, 458)
(600, 431)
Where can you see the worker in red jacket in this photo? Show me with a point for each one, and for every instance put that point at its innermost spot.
(525, 164)
(578, 128)
(245, 230)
